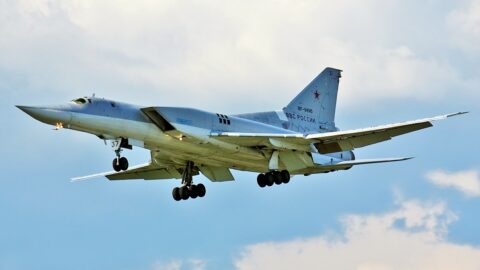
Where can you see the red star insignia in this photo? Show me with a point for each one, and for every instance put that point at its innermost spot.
(317, 95)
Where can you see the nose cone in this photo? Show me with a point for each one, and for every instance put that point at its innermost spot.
(32, 111)
(48, 115)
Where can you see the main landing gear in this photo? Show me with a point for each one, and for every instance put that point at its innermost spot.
(273, 177)
(120, 163)
(188, 190)
(185, 192)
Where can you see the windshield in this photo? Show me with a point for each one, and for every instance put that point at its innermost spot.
(81, 101)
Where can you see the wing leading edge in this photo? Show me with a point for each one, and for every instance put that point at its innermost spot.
(146, 171)
(152, 171)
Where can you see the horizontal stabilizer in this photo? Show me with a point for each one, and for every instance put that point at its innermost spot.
(371, 161)
(345, 165)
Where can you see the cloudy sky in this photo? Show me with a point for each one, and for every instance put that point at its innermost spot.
(401, 60)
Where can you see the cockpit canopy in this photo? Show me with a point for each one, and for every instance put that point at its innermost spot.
(82, 100)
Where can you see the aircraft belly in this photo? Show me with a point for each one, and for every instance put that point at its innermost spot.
(203, 151)
(202, 155)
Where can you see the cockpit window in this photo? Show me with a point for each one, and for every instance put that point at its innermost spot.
(80, 101)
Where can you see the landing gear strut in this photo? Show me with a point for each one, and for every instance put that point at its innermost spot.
(273, 177)
(119, 163)
(188, 189)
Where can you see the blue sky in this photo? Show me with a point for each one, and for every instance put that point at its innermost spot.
(402, 60)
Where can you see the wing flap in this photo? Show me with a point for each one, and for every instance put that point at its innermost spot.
(217, 174)
(297, 160)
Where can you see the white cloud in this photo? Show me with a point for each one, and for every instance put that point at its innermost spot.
(411, 237)
(193, 264)
(172, 265)
(216, 51)
(198, 264)
(467, 182)
(464, 26)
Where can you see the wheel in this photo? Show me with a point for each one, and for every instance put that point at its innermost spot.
(285, 175)
(261, 180)
(184, 193)
(123, 163)
(270, 179)
(277, 177)
(116, 166)
(201, 190)
(193, 191)
(176, 194)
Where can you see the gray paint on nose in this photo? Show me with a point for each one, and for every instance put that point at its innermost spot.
(48, 115)
(30, 110)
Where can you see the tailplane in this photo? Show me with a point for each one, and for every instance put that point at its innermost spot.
(313, 110)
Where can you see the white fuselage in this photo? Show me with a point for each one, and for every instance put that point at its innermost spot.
(188, 140)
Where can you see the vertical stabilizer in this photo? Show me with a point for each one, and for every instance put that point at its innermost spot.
(313, 110)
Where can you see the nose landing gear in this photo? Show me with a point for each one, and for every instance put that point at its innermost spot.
(120, 163)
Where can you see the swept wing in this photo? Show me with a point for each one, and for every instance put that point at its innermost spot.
(329, 142)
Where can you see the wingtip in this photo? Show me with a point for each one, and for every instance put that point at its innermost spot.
(89, 177)
(402, 158)
(77, 179)
(445, 116)
(457, 113)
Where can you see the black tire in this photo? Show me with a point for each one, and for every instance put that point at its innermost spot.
(270, 179)
(201, 190)
(193, 191)
(285, 175)
(184, 193)
(116, 167)
(176, 194)
(277, 177)
(123, 163)
(261, 180)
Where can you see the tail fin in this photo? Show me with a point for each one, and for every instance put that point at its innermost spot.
(313, 110)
